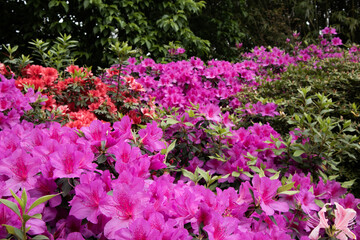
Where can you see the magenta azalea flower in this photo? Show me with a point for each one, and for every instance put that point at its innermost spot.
(211, 112)
(327, 30)
(140, 229)
(151, 136)
(20, 168)
(122, 129)
(69, 162)
(336, 41)
(222, 228)
(124, 208)
(265, 190)
(87, 201)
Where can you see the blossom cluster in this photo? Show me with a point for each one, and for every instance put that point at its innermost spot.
(13, 103)
(84, 98)
(116, 179)
(137, 206)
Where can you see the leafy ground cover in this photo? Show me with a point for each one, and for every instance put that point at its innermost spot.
(263, 148)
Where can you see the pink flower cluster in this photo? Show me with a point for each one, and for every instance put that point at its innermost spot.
(178, 84)
(13, 103)
(268, 109)
(136, 206)
(116, 184)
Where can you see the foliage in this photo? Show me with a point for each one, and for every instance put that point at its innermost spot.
(58, 55)
(220, 23)
(15, 63)
(146, 25)
(320, 103)
(24, 213)
(208, 164)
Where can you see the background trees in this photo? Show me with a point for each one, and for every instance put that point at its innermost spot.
(208, 29)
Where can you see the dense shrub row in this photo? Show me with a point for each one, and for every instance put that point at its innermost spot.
(183, 150)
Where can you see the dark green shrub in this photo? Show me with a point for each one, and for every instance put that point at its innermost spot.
(322, 102)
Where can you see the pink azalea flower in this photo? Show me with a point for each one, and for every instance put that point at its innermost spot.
(69, 162)
(238, 45)
(167, 228)
(157, 162)
(151, 136)
(211, 112)
(87, 201)
(20, 168)
(140, 229)
(336, 41)
(180, 50)
(226, 120)
(75, 236)
(265, 190)
(343, 217)
(98, 132)
(124, 208)
(222, 228)
(306, 200)
(45, 186)
(122, 129)
(327, 30)
(8, 217)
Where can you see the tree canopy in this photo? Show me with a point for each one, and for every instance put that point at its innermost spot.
(208, 29)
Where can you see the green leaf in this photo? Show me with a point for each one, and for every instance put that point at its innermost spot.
(24, 198)
(285, 187)
(278, 144)
(27, 217)
(86, 4)
(65, 6)
(41, 200)
(247, 174)
(171, 146)
(171, 121)
(40, 237)
(14, 231)
(20, 201)
(12, 206)
(319, 203)
(348, 184)
(204, 174)
(297, 153)
(289, 192)
(275, 176)
(52, 3)
(188, 174)
(255, 169)
(191, 113)
(235, 174)
(189, 124)
(37, 216)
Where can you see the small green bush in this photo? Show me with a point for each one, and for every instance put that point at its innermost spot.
(320, 99)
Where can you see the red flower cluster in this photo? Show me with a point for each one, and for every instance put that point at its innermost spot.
(5, 70)
(83, 97)
(38, 77)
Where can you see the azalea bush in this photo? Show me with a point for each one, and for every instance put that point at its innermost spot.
(177, 150)
(80, 97)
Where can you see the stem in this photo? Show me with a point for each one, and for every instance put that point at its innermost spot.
(118, 79)
(23, 229)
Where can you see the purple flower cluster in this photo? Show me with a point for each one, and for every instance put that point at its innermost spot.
(178, 84)
(116, 183)
(13, 103)
(135, 206)
(268, 109)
